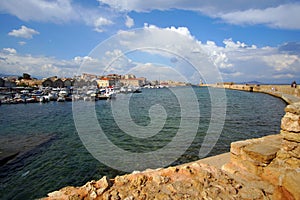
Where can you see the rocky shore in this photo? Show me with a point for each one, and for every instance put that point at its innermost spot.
(262, 168)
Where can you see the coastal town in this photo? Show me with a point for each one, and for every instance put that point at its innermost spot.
(87, 87)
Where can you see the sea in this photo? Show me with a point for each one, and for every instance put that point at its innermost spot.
(67, 160)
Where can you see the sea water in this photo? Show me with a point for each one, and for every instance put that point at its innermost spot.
(66, 161)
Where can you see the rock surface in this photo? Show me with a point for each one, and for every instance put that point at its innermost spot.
(190, 181)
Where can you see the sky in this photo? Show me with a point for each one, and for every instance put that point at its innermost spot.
(186, 40)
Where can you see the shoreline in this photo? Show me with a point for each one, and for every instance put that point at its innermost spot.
(260, 168)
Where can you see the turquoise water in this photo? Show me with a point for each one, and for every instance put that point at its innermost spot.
(65, 161)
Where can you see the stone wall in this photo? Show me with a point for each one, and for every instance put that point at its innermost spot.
(273, 161)
(284, 171)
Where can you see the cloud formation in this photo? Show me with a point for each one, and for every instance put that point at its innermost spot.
(13, 63)
(129, 22)
(276, 17)
(9, 50)
(58, 12)
(235, 60)
(23, 32)
(273, 13)
(165, 50)
(100, 22)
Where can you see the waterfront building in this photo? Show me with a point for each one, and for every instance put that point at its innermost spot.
(129, 76)
(2, 82)
(9, 82)
(47, 83)
(68, 82)
(29, 82)
(105, 82)
(58, 83)
(88, 77)
(136, 82)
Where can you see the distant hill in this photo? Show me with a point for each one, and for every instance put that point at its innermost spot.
(265, 83)
(252, 82)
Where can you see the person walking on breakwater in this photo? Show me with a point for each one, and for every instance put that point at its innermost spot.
(294, 84)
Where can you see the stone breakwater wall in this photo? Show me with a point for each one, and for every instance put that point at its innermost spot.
(285, 92)
(271, 161)
(262, 168)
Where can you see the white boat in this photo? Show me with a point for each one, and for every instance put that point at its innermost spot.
(63, 93)
(110, 93)
(53, 96)
(24, 91)
(44, 99)
(30, 100)
(61, 99)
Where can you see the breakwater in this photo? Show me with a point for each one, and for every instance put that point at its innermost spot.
(285, 92)
(262, 168)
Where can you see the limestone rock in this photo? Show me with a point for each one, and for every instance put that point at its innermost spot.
(289, 145)
(236, 147)
(261, 153)
(293, 108)
(291, 122)
(290, 136)
(190, 181)
(251, 193)
(103, 184)
(291, 182)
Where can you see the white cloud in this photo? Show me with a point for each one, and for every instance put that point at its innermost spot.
(87, 59)
(149, 70)
(58, 12)
(100, 22)
(282, 62)
(281, 16)
(14, 63)
(155, 45)
(165, 49)
(9, 50)
(129, 22)
(21, 43)
(273, 13)
(44, 11)
(236, 60)
(284, 76)
(23, 32)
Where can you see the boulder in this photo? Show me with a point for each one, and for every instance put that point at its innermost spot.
(261, 153)
(293, 108)
(291, 182)
(291, 136)
(291, 122)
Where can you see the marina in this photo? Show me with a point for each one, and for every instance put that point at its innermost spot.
(44, 95)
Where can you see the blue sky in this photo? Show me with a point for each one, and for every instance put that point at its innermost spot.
(244, 41)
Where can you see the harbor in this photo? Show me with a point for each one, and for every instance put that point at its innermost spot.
(52, 165)
(86, 87)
